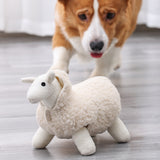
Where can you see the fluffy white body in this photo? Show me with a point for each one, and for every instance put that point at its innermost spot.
(78, 112)
(94, 104)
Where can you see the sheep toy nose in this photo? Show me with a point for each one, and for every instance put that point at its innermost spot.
(32, 101)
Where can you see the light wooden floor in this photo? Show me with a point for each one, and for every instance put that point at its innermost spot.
(138, 82)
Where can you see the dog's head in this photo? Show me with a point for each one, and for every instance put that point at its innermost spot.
(96, 21)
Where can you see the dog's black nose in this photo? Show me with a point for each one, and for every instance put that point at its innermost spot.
(97, 45)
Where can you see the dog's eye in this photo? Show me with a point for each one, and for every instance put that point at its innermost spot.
(110, 15)
(82, 17)
(43, 84)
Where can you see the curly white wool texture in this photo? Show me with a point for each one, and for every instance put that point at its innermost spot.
(94, 103)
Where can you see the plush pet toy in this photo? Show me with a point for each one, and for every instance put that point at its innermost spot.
(78, 112)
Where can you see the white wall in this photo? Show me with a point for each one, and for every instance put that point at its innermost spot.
(150, 13)
(37, 16)
(29, 16)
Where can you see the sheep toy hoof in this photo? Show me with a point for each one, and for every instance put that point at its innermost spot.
(119, 131)
(87, 150)
(84, 142)
(41, 139)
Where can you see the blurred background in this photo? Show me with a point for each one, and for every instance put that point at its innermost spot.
(26, 30)
(37, 16)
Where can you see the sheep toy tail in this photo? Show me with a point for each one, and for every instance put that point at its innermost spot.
(84, 142)
(119, 131)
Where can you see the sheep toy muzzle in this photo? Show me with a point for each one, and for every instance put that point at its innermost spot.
(41, 87)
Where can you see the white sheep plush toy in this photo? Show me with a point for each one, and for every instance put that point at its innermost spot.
(78, 112)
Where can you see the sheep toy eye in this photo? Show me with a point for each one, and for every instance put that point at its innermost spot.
(43, 84)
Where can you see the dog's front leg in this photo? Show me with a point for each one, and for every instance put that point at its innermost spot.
(62, 51)
(61, 58)
(108, 63)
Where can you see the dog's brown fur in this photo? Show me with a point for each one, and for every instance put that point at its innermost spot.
(121, 27)
(74, 34)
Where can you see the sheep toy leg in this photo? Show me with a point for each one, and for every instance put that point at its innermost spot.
(41, 139)
(119, 131)
(84, 142)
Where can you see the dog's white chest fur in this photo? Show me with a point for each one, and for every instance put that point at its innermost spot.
(77, 46)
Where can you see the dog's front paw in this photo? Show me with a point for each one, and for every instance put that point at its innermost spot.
(101, 72)
(60, 67)
(117, 67)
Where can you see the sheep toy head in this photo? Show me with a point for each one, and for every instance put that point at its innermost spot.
(44, 88)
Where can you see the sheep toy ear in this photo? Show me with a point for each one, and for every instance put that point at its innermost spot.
(50, 76)
(28, 79)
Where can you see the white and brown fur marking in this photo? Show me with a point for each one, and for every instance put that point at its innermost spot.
(73, 35)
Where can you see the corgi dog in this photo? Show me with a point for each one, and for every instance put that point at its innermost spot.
(93, 29)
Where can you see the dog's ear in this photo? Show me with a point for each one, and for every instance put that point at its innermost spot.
(63, 1)
(126, 2)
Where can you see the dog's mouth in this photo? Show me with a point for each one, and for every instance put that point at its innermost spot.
(96, 55)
